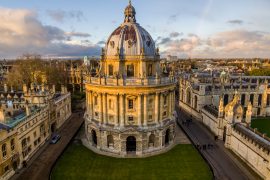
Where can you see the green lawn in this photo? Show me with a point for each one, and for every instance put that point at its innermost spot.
(182, 162)
(263, 125)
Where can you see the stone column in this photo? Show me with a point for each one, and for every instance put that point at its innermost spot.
(161, 108)
(122, 110)
(91, 104)
(169, 103)
(100, 107)
(116, 118)
(173, 105)
(87, 93)
(139, 107)
(105, 109)
(156, 108)
(145, 114)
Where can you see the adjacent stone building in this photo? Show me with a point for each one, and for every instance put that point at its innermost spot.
(27, 120)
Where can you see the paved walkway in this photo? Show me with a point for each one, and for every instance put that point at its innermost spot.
(40, 166)
(223, 163)
(180, 137)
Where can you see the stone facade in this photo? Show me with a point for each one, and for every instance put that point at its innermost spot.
(201, 89)
(129, 104)
(27, 120)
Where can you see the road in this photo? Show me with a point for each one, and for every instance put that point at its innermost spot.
(40, 166)
(225, 166)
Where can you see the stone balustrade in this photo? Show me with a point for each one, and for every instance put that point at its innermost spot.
(130, 81)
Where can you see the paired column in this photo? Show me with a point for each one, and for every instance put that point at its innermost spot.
(90, 104)
(169, 103)
(122, 110)
(100, 108)
(117, 110)
(105, 109)
(139, 107)
(157, 108)
(161, 108)
(145, 113)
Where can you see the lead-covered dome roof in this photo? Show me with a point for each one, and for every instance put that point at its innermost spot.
(130, 39)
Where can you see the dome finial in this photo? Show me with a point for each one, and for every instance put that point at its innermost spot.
(130, 13)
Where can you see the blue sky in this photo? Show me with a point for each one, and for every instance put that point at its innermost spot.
(201, 28)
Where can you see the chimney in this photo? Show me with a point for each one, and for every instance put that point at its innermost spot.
(25, 88)
(53, 88)
(27, 109)
(5, 88)
(32, 86)
(2, 115)
(63, 89)
(43, 88)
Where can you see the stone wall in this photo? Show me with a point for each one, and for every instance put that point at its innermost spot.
(257, 157)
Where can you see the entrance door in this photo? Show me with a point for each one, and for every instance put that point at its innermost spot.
(167, 137)
(53, 127)
(131, 144)
(94, 137)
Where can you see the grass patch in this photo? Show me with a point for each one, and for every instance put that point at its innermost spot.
(182, 162)
(262, 124)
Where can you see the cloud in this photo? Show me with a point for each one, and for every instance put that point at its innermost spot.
(175, 34)
(61, 16)
(235, 22)
(227, 44)
(78, 34)
(21, 32)
(241, 43)
(101, 43)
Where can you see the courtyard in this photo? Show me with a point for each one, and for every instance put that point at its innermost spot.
(182, 162)
(262, 124)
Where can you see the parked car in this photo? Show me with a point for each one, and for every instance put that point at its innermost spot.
(55, 139)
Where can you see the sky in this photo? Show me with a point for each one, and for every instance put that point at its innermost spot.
(183, 28)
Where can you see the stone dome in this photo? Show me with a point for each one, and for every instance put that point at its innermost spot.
(130, 39)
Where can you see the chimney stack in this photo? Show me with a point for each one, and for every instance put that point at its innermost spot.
(2, 115)
(5, 88)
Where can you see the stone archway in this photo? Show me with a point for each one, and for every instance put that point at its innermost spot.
(167, 137)
(131, 144)
(151, 142)
(94, 137)
(110, 142)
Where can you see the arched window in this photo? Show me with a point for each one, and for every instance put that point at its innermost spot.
(4, 150)
(188, 94)
(130, 70)
(150, 70)
(251, 98)
(167, 137)
(195, 102)
(12, 144)
(243, 99)
(94, 137)
(226, 99)
(110, 70)
(260, 100)
(182, 95)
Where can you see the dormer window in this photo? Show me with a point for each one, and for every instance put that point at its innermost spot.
(130, 70)
(110, 70)
(130, 104)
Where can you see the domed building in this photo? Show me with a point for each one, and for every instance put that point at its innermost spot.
(130, 104)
